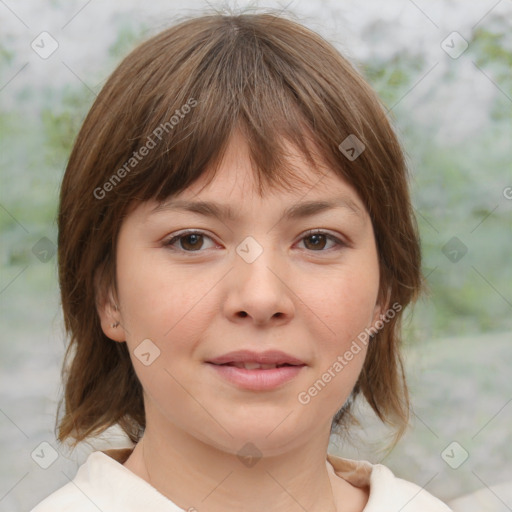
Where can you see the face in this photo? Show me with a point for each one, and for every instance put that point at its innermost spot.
(194, 287)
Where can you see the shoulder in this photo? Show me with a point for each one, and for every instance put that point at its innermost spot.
(82, 494)
(66, 499)
(386, 491)
(409, 497)
(103, 483)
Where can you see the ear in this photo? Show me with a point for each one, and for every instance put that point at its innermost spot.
(110, 315)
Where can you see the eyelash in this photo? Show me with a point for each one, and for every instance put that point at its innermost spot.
(340, 244)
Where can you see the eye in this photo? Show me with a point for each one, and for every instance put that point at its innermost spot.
(189, 241)
(317, 240)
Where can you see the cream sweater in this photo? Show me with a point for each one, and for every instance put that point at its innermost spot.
(103, 484)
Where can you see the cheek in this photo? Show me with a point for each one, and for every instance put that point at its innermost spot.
(345, 302)
(140, 291)
(160, 302)
(345, 307)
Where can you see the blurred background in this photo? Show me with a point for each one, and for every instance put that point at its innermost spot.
(443, 70)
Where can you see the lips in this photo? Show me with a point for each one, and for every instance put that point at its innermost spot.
(257, 372)
(251, 360)
(251, 365)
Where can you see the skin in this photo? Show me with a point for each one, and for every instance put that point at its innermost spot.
(206, 302)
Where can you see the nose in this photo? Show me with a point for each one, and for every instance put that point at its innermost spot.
(260, 291)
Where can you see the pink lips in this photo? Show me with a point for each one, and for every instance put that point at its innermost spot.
(249, 356)
(230, 367)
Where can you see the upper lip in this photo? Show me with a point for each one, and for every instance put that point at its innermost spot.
(249, 356)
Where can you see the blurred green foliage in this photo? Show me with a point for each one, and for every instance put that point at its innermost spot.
(127, 38)
(457, 192)
(392, 78)
(61, 126)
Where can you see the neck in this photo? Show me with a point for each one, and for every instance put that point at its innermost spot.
(196, 476)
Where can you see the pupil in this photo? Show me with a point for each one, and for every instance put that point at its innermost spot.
(317, 240)
(193, 239)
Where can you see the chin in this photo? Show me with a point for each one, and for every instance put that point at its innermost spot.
(269, 438)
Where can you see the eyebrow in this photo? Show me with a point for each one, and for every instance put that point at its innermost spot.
(226, 212)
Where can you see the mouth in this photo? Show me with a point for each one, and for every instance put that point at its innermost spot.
(250, 370)
(252, 360)
(257, 377)
(255, 366)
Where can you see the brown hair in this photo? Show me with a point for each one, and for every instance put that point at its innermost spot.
(276, 81)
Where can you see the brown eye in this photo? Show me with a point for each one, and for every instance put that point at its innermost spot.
(188, 242)
(317, 241)
(192, 242)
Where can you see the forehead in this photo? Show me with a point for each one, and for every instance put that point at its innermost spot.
(229, 191)
(236, 177)
(231, 194)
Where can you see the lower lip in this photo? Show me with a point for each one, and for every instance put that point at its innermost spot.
(257, 380)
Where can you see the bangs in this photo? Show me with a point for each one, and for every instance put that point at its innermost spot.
(232, 78)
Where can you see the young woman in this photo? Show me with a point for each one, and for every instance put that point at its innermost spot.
(236, 248)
